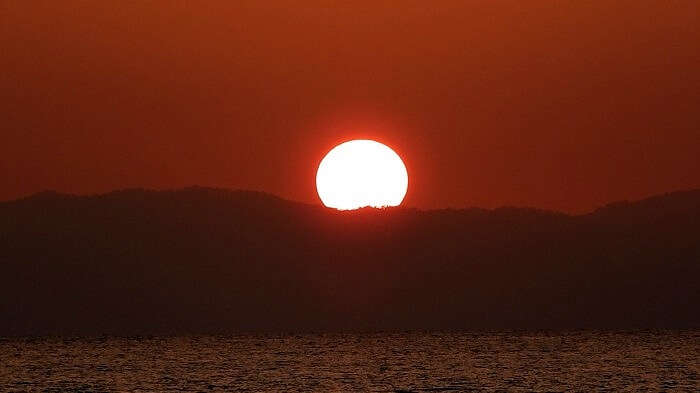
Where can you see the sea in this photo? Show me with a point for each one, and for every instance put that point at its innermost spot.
(582, 361)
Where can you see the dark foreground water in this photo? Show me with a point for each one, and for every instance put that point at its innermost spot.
(579, 361)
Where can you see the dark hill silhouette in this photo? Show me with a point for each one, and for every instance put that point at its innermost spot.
(211, 260)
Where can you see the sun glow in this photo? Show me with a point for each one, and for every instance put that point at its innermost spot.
(361, 173)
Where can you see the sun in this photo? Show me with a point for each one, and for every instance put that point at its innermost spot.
(361, 173)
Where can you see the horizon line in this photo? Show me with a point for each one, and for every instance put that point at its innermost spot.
(320, 205)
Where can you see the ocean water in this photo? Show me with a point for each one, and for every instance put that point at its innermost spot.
(585, 361)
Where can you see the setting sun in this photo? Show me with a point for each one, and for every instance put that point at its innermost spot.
(361, 173)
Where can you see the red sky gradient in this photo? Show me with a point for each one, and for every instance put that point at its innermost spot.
(557, 105)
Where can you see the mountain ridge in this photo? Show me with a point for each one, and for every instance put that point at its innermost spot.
(693, 194)
(208, 260)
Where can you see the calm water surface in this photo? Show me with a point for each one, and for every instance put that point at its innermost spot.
(421, 362)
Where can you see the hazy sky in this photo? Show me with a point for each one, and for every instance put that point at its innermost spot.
(559, 105)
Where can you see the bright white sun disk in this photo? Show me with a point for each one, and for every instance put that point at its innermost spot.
(361, 173)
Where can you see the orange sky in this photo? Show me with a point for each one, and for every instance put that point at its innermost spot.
(558, 105)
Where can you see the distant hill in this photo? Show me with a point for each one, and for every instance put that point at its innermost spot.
(217, 261)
